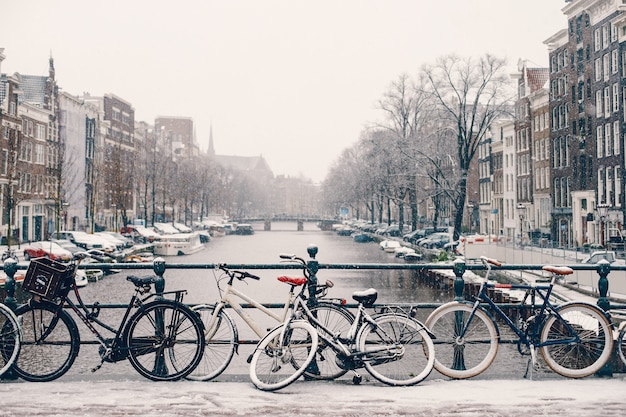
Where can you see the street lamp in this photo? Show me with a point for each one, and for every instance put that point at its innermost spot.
(521, 212)
(603, 211)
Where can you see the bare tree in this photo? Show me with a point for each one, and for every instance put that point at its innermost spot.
(472, 93)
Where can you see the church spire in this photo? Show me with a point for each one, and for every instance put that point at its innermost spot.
(211, 150)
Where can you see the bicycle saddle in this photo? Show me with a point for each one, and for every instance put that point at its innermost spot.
(296, 282)
(141, 281)
(366, 297)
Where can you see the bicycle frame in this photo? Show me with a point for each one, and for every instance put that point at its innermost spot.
(545, 307)
(231, 297)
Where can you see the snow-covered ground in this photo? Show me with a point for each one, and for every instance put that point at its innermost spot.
(438, 397)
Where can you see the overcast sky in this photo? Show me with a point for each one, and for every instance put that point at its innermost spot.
(294, 81)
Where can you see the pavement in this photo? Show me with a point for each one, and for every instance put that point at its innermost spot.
(435, 397)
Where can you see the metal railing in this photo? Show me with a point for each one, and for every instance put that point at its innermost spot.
(450, 275)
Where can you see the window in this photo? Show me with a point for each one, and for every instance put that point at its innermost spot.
(615, 97)
(598, 69)
(614, 63)
(618, 186)
(596, 40)
(616, 138)
(607, 102)
(599, 141)
(606, 66)
(608, 141)
(605, 36)
(601, 189)
(40, 154)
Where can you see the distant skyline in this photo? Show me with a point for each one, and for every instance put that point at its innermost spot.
(294, 81)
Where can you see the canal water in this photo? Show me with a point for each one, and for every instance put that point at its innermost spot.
(264, 247)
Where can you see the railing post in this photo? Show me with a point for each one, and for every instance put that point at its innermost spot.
(158, 266)
(312, 268)
(10, 268)
(459, 283)
(603, 268)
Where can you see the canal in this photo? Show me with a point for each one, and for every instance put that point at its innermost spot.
(264, 247)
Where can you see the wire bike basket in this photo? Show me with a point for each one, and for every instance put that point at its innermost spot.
(48, 279)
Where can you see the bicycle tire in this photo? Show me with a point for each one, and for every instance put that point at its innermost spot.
(409, 352)
(583, 358)
(10, 339)
(274, 364)
(50, 342)
(338, 320)
(165, 340)
(466, 357)
(221, 342)
(621, 345)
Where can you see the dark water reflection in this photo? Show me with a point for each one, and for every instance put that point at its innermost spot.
(264, 247)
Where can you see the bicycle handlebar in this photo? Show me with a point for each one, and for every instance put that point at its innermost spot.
(240, 275)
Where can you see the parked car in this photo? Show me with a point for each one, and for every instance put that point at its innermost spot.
(435, 240)
(87, 241)
(67, 245)
(47, 249)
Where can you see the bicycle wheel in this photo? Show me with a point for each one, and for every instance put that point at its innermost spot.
(338, 321)
(466, 341)
(165, 340)
(50, 342)
(9, 338)
(580, 343)
(621, 345)
(220, 344)
(399, 350)
(282, 355)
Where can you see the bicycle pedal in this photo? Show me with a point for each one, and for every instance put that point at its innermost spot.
(249, 359)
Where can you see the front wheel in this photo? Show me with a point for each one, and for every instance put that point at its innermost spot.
(400, 351)
(165, 340)
(577, 340)
(282, 355)
(220, 344)
(466, 339)
(50, 342)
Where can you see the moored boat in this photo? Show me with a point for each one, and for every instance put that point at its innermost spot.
(178, 244)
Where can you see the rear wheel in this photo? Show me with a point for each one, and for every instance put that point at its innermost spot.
(282, 355)
(578, 345)
(50, 342)
(400, 351)
(9, 338)
(165, 340)
(338, 321)
(220, 344)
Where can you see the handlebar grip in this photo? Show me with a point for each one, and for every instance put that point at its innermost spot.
(248, 275)
(492, 261)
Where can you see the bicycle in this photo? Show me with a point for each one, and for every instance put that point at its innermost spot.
(575, 338)
(163, 339)
(393, 347)
(222, 336)
(10, 339)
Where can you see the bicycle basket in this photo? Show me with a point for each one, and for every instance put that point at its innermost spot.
(47, 278)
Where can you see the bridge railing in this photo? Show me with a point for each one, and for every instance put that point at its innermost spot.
(452, 275)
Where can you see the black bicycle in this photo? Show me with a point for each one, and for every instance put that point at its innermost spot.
(162, 338)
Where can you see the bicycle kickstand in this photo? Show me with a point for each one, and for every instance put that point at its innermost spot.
(107, 353)
(532, 363)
